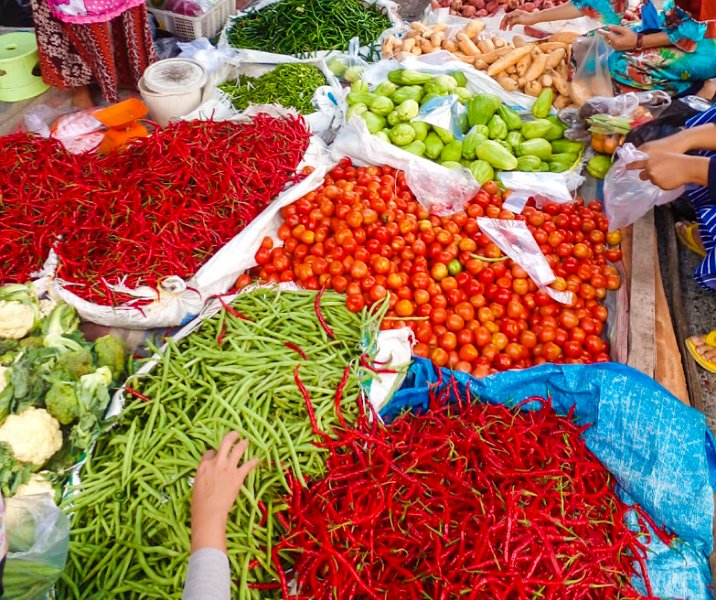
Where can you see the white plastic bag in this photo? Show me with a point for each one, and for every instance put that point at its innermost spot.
(627, 198)
(78, 130)
(541, 186)
(516, 241)
(38, 533)
(437, 188)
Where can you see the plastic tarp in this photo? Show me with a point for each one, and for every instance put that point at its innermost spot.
(660, 451)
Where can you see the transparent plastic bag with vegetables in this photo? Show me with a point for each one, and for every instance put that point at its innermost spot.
(347, 66)
(592, 77)
(38, 534)
(627, 197)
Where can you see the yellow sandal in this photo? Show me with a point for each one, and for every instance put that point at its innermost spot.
(691, 347)
(686, 236)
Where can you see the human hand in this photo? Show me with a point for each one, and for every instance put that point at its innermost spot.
(619, 38)
(517, 17)
(219, 478)
(664, 170)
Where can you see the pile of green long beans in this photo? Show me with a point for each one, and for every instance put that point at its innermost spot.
(130, 533)
(302, 27)
(289, 84)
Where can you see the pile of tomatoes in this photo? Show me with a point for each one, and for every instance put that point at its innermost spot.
(364, 234)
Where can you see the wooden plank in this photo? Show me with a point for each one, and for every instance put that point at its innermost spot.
(678, 311)
(669, 371)
(642, 325)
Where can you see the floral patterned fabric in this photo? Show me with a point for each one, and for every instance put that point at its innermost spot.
(674, 68)
(90, 11)
(112, 54)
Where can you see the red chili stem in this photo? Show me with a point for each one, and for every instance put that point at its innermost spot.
(295, 348)
(319, 314)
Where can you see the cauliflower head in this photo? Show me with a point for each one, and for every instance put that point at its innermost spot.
(16, 319)
(37, 484)
(33, 436)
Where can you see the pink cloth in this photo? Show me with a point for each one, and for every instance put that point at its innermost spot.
(80, 12)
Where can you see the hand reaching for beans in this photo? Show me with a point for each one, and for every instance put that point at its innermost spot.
(218, 481)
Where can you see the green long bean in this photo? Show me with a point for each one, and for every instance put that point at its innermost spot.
(142, 463)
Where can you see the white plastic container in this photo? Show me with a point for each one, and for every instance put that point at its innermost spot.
(172, 87)
(188, 28)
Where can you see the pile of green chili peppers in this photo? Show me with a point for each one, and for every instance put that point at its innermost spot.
(131, 513)
(290, 84)
(302, 27)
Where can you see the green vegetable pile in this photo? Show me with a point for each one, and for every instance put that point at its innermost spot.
(290, 84)
(239, 371)
(303, 27)
(494, 137)
(54, 388)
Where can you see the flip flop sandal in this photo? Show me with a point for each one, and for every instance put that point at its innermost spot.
(691, 347)
(686, 237)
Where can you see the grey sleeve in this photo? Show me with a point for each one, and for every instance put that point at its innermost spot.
(208, 577)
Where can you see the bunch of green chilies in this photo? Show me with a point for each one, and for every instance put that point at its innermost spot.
(161, 206)
(303, 27)
(290, 84)
(250, 368)
(470, 500)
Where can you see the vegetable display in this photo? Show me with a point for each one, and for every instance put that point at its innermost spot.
(517, 65)
(162, 206)
(290, 84)
(272, 365)
(485, 134)
(363, 233)
(303, 27)
(54, 389)
(473, 500)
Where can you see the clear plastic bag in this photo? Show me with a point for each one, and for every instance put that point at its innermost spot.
(627, 198)
(516, 241)
(442, 191)
(592, 78)
(445, 112)
(78, 130)
(38, 533)
(348, 66)
(540, 186)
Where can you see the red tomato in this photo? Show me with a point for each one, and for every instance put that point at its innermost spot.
(455, 323)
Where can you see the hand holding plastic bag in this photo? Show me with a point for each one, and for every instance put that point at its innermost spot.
(627, 197)
(38, 533)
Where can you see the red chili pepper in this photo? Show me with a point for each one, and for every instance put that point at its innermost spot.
(436, 506)
(319, 314)
(136, 394)
(295, 348)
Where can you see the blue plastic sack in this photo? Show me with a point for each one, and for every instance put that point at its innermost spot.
(660, 450)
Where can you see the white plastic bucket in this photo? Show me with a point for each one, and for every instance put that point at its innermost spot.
(176, 91)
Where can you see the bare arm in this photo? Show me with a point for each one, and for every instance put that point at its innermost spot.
(657, 40)
(558, 13)
(702, 137)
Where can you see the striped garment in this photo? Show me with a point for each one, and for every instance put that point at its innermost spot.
(703, 200)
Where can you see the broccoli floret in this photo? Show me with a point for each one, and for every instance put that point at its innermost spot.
(76, 363)
(12, 472)
(111, 352)
(62, 403)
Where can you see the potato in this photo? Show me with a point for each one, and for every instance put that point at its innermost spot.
(523, 64)
(474, 28)
(555, 57)
(408, 44)
(469, 11)
(498, 42)
(456, 5)
(546, 80)
(485, 45)
(480, 64)
(450, 46)
(426, 47)
(511, 70)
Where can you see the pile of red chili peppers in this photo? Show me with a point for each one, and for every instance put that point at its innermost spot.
(470, 501)
(160, 207)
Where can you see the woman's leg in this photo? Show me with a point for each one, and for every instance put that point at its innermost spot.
(61, 65)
